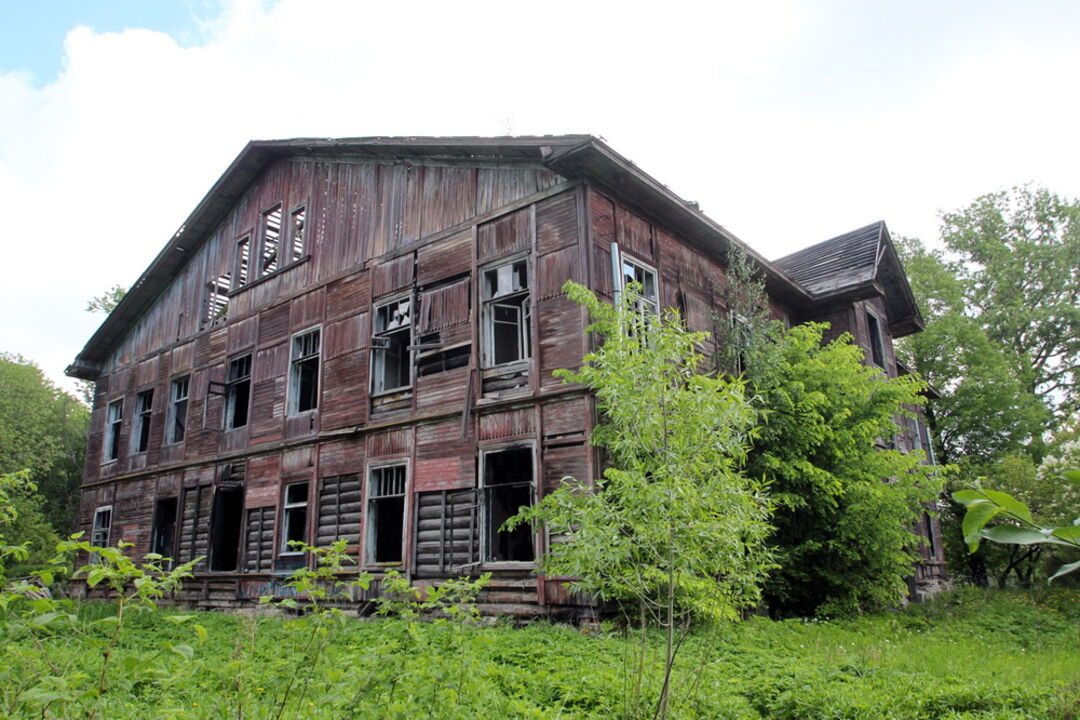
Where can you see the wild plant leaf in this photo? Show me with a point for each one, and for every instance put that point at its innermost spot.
(975, 520)
(1065, 570)
(1069, 532)
(1012, 535)
(1010, 504)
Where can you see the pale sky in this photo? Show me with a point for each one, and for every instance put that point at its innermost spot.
(790, 122)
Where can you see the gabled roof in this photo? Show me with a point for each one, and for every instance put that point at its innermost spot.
(859, 263)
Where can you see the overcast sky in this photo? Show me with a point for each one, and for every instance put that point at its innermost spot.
(790, 122)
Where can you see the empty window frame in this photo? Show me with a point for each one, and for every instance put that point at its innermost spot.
(144, 409)
(391, 359)
(242, 265)
(102, 527)
(633, 271)
(297, 226)
(217, 300)
(294, 518)
(114, 419)
(386, 514)
(270, 241)
(304, 372)
(163, 538)
(238, 392)
(877, 346)
(226, 522)
(507, 487)
(506, 314)
(176, 424)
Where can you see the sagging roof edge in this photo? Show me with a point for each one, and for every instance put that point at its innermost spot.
(573, 156)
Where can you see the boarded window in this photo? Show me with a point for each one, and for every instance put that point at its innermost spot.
(506, 313)
(114, 419)
(259, 540)
(391, 337)
(238, 392)
(176, 427)
(194, 522)
(294, 518)
(339, 510)
(304, 372)
(447, 532)
(270, 247)
(508, 486)
(386, 514)
(144, 407)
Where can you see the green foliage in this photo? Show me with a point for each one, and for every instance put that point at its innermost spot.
(845, 500)
(107, 301)
(43, 430)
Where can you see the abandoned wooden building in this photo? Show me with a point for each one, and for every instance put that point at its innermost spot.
(355, 338)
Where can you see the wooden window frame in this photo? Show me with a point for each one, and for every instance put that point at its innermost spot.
(295, 363)
(368, 506)
(875, 339)
(287, 509)
(95, 529)
(520, 300)
(110, 450)
(290, 235)
(484, 519)
(264, 266)
(231, 390)
(172, 412)
(242, 266)
(377, 335)
(144, 415)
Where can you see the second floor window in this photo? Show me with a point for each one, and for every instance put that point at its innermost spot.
(648, 302)
(506, 314)
(114, 418)
(297, 220)
(304, 372)
(877, 347)
(238, 392)
(391, 364)
(176, 427)
(144, 406)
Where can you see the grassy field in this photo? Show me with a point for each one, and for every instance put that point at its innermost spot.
(966, 655)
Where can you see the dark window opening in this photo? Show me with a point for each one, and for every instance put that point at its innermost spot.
(508, 486)
(296, 232)
(392, 360)
(443, 361)
(304, 376)
(238, 392)
(177, 427)
(114, 420)
(506, 314)
(931, 540)
(877, 348)
(225, 525)
(163, 541)
(271, 241)
(294, 517)
(386, 514)
(144, 404)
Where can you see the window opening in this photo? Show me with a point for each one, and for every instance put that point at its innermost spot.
(238, 392)
(386, 514)
(271, 239)
(648, 301)
(930, 535)
(114, 419)
(508, 486)
(163, 541)
(304, 372)
(176, 428)
(217, 300)
(225, 524)
(507, 314)
(243, 261)
(99, 534)
(877, 348)
(296, 233)
(392, 366)
(294, 517)
(144, 406)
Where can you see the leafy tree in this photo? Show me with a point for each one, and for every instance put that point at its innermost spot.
(673, 530)
(107, 301)
(846, 500)
(43, 430)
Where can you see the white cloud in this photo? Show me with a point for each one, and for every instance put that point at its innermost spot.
(100, 166)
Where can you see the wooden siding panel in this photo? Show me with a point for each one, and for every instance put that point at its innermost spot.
(340, 457)
(263, 481)
(520, 423)
(268, 393)
(442, 391)
(393, 275)
(448, 197)
(634, 234)
(505, 235)
(390, 443)
(444, 259)
(339, 511)
(497, 187)
(274, 325)
(444, 460)
(346, 336)
(348, 295)
(565, 461)
(345, 390)
(556, 222)
(561, 326)
(556, 268)
(307, 310)
(443, 307)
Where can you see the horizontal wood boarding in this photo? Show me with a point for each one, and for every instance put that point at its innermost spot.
(259, 539)
(444, 459)
(133, 514)
(195, 524)
(698, 312)
(447, 535)
(243, 334)
(444, 259)
(563, 418)
(442, 391)
(340, 511)
(564, 461)
(509, 424)
(508, 234)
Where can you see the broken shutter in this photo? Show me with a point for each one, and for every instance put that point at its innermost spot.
(339, 510)
(259, 540)
(447, 532)
(195, 525)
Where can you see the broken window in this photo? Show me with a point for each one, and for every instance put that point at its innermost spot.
(931, 539)
(100, 530)
(176, 425)
(386, 514)
(226, 521)
(269, 259)
(508, 486)
(238, 392)
(391, 357)
(163, 539)
(296, 233)
(144, 406)
(648, 301)
(242, 268)
(294, 517)
(304, 372)
(506, 313)
(217, 300)
(877, 348)
(113, 420)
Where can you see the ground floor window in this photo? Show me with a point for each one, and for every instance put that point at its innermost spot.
(507, 486)
(294, 517)
(226, 523)
(163, 540)
(386, 514)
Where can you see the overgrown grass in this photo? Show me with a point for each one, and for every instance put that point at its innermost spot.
(966, 655)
